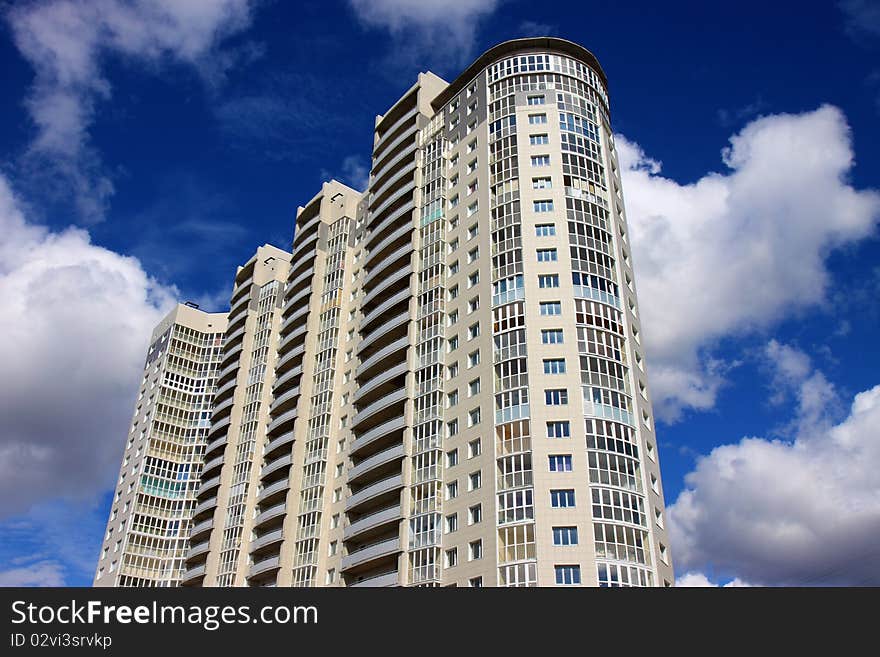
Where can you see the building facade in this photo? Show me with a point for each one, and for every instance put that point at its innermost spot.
(222, 519)
(459, 394)
(148, 530)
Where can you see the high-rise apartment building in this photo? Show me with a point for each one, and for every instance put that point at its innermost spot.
(459, 394)
(222, 520)
(149, 525)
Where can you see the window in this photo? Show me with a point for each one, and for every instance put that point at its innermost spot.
(547, 255)
(540, 160)
(453, 245)
(474, 358)
(334, 521)
(452, 458)
(562, 499)
(473, 279)
(451, 558)
(452, 399)
(475, 550)
(337, 495)
(473, 305)
(548, 280)
(568, 575)
(452, 428)
(473, 254)
(473, 331)
(474, 417)
(559, 429)
(565, 536)
(473, 387)
(475, 582)
(475, 480)
(451, 523)
(474, 448)
(551, 336)
(535, 100)
(471, 188)
(453, 223)
(331, 576)
(453, 268)
(542, 183)
(551, 308)
(472, 146)
(556, 397)
(331, 550)
(452, 490)
(472, 166)
(537, 119)
(544, 205)
(452, 370)
(473, 231)
(475, 514)
(453, 343)
(545, 230)
(554, 366)
(452, 318)
(538, 140)
(453, 292)
(453, 201)
(560, 462)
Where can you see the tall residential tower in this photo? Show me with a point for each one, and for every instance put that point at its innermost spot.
(459, 394)
(149, 525)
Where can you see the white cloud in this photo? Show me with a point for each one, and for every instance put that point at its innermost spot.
(441, 28)
(699, 580)
(736, 252)
(41, 573)
(800, 512)
(76, 319)
(66, 40)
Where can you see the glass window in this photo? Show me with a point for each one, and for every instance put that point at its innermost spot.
(565, 536)
(562, 499)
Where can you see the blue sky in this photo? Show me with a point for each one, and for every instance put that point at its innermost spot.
(148, 148)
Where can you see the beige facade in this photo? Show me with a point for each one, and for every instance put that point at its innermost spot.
(459, 394)
(147, 533)
(222, 520)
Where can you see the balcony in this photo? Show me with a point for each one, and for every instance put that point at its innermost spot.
(387, 147)
(213, 463)
(270, 513)
(385, 225)
(374, 434)
(385, 579)
(281, 421)
(201, 528)
(198, 550)
(260, 567)
(379, 405)
(218, 428)
(374, 461)
(226, 371)
(380, 144)
(266, 540)
(383, 330)
(192, 574)
(372, 521)
(382, 308)
(269, 491)
(395, 196)
(208, 504)
(272, 466)
(222, 407)
(289, 357)
(389, 183)
(233, 337)
(284, 378)
(281, 402)
(394, 278)
(225, 388)
(392, 258)
(397, 234)
(285, 438)
(209, 484)
(380, 378)
(405, 156)
(381, 355)
(372, 491)
(214, 445)
(370, 552)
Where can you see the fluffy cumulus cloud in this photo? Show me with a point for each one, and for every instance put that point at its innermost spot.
(699, 580)
(737, 251)
(75, 322)
(66, 42)
(804, 511)
(442, 28)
